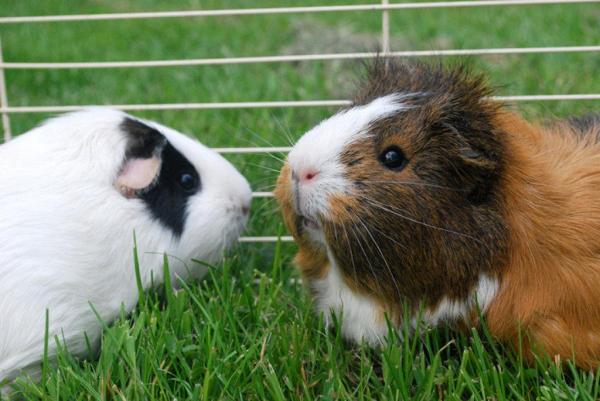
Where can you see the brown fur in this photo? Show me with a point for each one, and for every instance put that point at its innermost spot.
(312, 261)
(551, 284)
(483, 192)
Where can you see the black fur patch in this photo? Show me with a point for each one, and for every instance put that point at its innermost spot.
(142, 140)
(167, 199)
(587, 124)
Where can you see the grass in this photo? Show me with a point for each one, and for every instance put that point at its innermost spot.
(247, 331)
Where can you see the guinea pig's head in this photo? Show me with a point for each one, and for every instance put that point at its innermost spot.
(190, 191)
(401, 190)
(92, 179)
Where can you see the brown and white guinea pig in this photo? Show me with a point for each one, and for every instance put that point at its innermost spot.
(428, 193)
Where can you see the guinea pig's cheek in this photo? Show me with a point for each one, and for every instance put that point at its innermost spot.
(284, 195)
(341, 209)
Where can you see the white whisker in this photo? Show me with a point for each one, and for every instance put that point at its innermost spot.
(421, 184)
(392, 277)
(387, 209)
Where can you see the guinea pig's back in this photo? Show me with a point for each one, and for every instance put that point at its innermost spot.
(59, 233)
(551, 190)
(587, 125)
(50, 181)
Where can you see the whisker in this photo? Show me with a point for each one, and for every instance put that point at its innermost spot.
(285, 130)
(365, 254)
(262, 208)
(373, 273)
(257, 136)
(265, 142)
(262, 167)
(252, 132)
(421, 184)
(266, 187)
(279, 159)
(403, 246)
(385, 208)
(349, 247)
(266, 200)
(392, 277)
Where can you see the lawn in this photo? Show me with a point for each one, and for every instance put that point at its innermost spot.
(247, 331)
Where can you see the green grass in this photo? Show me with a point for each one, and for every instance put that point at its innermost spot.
(247, 332)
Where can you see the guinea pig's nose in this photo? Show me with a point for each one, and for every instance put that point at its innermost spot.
(245, 206)
(240, 206)
(307, 176)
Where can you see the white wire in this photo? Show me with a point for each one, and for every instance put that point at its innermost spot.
(291, 58)
(181, 106)
(291, 281)
(281, 149)
(385, 29)
(285, 238)
(269, 104)
(4, 102)
(533, 98)
(262, 194)
(282, 10)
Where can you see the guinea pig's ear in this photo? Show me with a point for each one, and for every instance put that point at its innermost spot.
(475, 158)
(470, 155)
(481, 167)
(143, 158)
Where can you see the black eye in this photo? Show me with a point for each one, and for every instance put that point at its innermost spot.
(393, 158)
(187, 181)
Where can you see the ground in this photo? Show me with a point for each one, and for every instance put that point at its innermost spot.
(247, 331)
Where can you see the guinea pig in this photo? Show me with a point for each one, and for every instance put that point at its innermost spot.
(73, 193)
(429, 195)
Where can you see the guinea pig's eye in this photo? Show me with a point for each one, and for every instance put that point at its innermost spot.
(393, 158)
(187, 181)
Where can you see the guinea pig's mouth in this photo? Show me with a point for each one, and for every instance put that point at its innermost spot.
(310, 223)
(307, 222)
(310, 228)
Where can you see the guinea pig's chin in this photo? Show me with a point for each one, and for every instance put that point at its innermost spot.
(312, 231)
(234, 230)
(210, 232)
(317, 236)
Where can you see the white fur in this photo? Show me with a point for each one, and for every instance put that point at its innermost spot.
(451, 310)
(361, 317)
(320, 148)
(66, 234)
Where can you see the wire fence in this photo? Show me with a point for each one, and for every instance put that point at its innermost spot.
(384, 7)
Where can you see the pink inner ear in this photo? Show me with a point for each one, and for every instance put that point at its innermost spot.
(137, 174)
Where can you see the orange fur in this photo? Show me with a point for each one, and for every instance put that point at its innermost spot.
(312, 261)
(550, 288)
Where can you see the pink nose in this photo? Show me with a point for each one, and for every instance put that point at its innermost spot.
(307, 176)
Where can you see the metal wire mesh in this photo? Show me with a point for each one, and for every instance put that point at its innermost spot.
(385, 7)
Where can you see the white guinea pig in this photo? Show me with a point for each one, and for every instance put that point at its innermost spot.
(72, 193)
